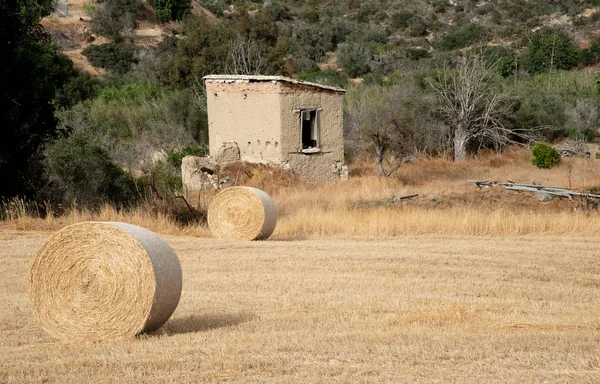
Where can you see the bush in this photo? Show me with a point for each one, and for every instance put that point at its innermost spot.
(463, 37)
(166, 10)
(175, 157)
(545, 156)
(585, 133)
(115, 57)
(551, 49)
(82, 86)
(373, 78)
(417, 54)
(329, 77)
(354, 58)
(401, 20)
(163, 179)
(115, 17)
(418, 27)
(84, 172)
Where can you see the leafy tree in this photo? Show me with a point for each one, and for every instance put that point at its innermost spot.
(31, 73)
(115, 18)
(83, 170)
(463, 37)
(354, 58)
(115, 57)
(176, 157)
(551, 49)
(394, 122)
(401, 20)
(327, 77)
(595, 47)
(166, 10)
(207, 47)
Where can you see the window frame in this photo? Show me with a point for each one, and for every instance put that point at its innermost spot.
(315, 128)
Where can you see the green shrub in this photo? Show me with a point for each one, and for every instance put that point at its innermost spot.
(418, 27)
(401, 20)
(373, 78)
(162, 178)
(329, 77)
(585, 133)
(551, 49)
(597, 155)
(354, 58)
(133, 93)
(545, 156)
(114, 17)
(112, 56)
(417, 54)
(166, 10)
(215, 6)
(175, 157)
(463, 37)
(85, 173)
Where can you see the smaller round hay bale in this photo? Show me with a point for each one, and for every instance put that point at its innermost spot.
(104, 281)
(242, 213)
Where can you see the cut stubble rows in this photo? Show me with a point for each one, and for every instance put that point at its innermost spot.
(403, 309)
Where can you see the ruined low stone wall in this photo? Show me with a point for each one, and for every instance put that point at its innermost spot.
(198, 173)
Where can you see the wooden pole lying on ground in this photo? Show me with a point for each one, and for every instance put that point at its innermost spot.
(551, 190)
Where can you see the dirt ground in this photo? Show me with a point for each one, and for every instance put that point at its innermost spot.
(406, 309)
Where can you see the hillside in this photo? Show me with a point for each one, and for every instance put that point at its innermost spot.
(319, 27)
(136, 103)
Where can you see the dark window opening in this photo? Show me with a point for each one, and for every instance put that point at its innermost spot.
(310, 129)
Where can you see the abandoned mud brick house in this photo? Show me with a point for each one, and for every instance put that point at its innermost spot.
(279, 121)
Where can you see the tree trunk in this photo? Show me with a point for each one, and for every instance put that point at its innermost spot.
(460, 143)
(379, 150)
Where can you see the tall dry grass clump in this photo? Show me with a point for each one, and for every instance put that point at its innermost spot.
(364, 206)
(20, 215)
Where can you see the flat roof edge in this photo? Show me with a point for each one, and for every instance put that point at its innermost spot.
(259, 78)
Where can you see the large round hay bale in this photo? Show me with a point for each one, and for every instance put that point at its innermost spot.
(242, 213)
(103, 281)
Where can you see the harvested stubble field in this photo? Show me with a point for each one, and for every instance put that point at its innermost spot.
(413, 309)
(479, 286)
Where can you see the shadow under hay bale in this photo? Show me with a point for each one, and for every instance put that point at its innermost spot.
(96, 281)
(201, 323)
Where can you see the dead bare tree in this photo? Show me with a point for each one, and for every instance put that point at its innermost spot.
(199, 91)
(246, 57)
(472, 106)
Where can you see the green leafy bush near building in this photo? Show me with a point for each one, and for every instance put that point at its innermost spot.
(545, 156)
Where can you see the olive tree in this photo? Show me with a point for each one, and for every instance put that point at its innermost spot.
(394, 122)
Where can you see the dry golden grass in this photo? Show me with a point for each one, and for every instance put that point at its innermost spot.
(480, 286)
(451, 309)
(308, 210)
(18, 217)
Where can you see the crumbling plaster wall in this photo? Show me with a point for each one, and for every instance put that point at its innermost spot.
(247, 113)
(323, 165)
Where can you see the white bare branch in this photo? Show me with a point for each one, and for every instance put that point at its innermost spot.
(471, 106)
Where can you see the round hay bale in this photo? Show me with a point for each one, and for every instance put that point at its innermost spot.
(242, 213)
(103, 281)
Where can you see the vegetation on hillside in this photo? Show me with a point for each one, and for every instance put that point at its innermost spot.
(524, 70)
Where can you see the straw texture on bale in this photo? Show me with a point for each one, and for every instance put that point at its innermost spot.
(103, 281)
(242, 213)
